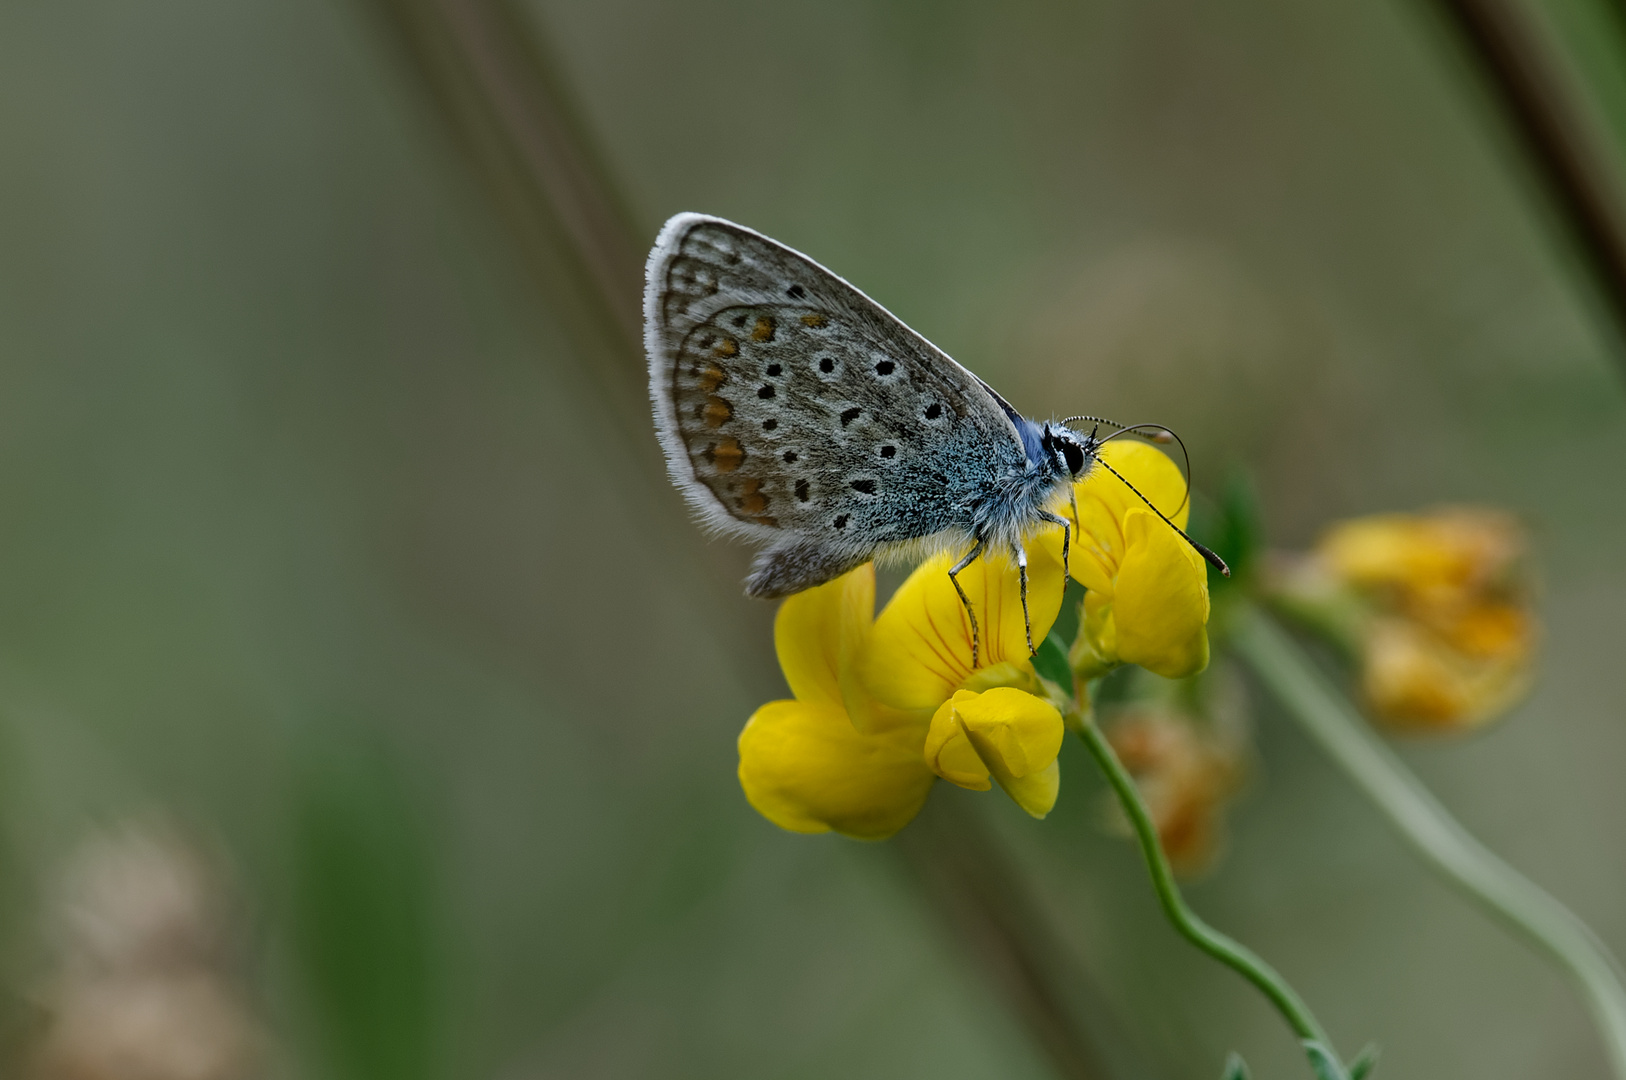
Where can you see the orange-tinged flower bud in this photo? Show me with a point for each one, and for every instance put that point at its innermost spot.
(1183, 775)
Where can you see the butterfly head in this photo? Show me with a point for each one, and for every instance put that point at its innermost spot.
(1070, 450)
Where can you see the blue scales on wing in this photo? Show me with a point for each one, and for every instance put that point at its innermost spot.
(795, 410)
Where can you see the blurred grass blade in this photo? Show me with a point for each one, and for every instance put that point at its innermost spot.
(1525, 78)
(1235, 1068)
(487, 71)
(960, 868)
(364, 914)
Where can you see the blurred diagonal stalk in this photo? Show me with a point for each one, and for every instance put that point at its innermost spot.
(981, 899)
(1448, 849)
(488, 71)
(484, 67)
(1526, 80)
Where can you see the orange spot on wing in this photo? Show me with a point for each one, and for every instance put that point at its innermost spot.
(727, 347)
(728, 455)
(814, 320)
(717, 412)
(712, 378)
(763, 330)
(752, 501)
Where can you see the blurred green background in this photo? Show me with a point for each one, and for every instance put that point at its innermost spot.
(320, 538)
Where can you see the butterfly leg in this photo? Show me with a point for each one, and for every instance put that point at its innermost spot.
(1066, 541)
(954, 579)
(1022, 578)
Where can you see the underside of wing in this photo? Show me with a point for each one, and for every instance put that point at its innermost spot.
(789, 403)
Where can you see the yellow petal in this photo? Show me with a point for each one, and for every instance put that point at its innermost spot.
(1036, 793)
(1105, 501)
(1161, 603)
(1416, 680)
(817, 633)
(1095, 650)
(920, 648)
(805, 768)
(1015, 733)
(949, 752)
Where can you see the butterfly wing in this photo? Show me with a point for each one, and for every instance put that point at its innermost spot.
(794, 409)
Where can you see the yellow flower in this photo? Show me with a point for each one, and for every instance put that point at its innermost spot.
(1147, 598)
(850, 753)
(920, 651)
(1004, 733)
(803, 763)
(990, 722)
(1435, 605)
(1417, 679)
(882, 707)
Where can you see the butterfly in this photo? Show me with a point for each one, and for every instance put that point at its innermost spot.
(798, 413)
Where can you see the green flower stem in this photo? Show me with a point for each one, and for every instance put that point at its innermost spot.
(1228, 952)
(1446, 846)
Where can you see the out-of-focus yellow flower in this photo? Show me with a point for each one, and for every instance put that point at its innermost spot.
(803, 763)
(1147, 598)
(1436, 605)
(1184, 776)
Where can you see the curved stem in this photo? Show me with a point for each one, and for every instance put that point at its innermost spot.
(1231, 953)
(1430, 829)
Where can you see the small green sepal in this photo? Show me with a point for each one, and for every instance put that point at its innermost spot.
(1235, 1068)
(1362, 1065)
(1324, 1062)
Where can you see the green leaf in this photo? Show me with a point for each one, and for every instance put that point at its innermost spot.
(1235, 1068)
(1051, 661)
(1322, 1060)
(1364, 1061)
(1230, 526)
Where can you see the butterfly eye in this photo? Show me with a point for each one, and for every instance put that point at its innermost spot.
(1074, 455)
